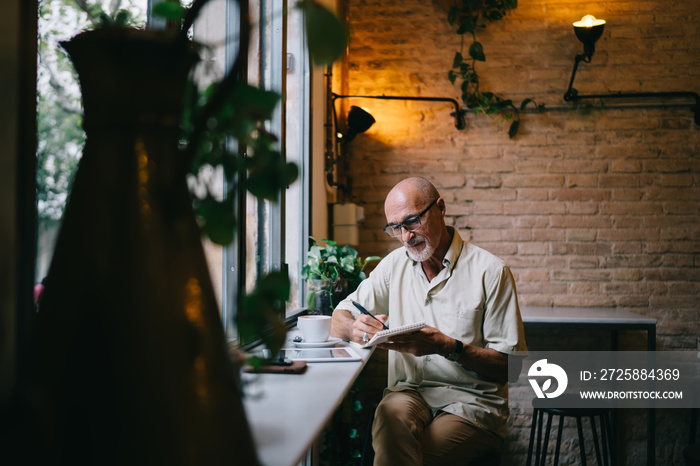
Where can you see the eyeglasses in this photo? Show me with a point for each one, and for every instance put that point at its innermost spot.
(412, 223)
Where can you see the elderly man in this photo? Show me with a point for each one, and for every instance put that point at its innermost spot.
(447, 399)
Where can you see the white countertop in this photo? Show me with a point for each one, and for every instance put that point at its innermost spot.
(582, 315)
(287, 412)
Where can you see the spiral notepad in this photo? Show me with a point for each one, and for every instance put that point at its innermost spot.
(381, 337)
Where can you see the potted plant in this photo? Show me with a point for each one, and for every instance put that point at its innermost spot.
(332, 272)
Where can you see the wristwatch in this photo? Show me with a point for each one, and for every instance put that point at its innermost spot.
(457, 352)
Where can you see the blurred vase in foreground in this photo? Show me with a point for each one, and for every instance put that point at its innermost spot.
(131, 356)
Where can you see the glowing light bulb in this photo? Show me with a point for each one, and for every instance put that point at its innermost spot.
(588, 21)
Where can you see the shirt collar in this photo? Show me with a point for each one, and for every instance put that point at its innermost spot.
(454, 250)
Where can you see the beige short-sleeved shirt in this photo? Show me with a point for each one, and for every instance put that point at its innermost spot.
(472, 299)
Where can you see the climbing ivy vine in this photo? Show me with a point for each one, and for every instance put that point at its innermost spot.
(470, 17)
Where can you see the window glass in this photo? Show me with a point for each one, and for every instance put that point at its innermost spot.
(270, 236)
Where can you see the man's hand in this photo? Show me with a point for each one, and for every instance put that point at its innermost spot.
(365, 323)
(427, 340)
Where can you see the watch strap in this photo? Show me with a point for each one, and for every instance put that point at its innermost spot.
(457, 352)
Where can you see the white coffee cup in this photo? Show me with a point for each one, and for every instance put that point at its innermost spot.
(314, 329)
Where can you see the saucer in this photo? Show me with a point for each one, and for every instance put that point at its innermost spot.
(332, 341)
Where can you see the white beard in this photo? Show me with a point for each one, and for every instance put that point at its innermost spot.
(423, 255)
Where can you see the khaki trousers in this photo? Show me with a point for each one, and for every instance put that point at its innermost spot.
(405, 433)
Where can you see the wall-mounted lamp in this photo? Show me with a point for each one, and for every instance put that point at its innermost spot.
(458, 114)
(588, 30)
(360, 120)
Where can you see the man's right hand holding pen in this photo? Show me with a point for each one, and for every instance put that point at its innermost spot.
(367, 324)
(364, 327)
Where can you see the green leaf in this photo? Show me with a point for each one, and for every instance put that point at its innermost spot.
(347, 263)
(275, 285)
(465, 26)
(268, 173)
(260, 310)
(348, 251)
(316, 251)
(452, 15)
(254, 102)
(476, 51)
(451, 75)
(310, 300)
(255, 361)
(513, 130)
(122, 18)
(218, 220)
(169, 10)
(326, 35)
(457, 60)
(524, 103)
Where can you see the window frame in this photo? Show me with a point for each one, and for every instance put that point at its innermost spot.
(272, 227)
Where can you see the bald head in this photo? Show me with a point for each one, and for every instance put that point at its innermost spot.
(415, 191)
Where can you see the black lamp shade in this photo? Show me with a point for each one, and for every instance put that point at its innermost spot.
(359, 121)
(588, 35)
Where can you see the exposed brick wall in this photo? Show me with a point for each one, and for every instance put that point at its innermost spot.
(594, 209)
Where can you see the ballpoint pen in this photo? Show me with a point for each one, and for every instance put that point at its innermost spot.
(365, 311)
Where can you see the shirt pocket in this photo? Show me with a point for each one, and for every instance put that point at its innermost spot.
(463, 321)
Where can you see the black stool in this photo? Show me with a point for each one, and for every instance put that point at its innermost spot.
(606, 437)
